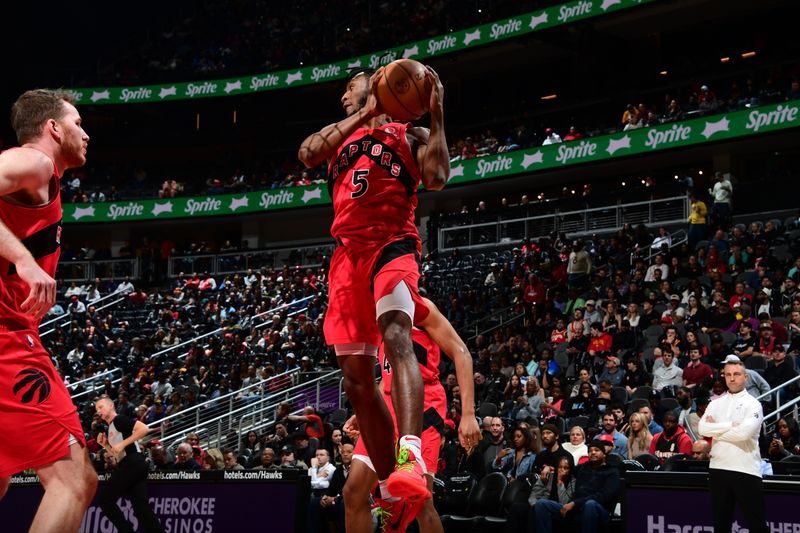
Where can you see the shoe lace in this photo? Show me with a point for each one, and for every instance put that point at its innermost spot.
(404, 464)
(383, 515)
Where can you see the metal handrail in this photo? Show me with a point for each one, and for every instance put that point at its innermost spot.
(93, 378)
(557, 217)
(93, 389)
(56, 319)
(218, 330)
(779, 387)
(232, 411)
(49, 331)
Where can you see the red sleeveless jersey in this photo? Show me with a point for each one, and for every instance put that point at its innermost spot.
(428, 356)
(373, 182)
(39, 229)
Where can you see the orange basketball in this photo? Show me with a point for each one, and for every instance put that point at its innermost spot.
(403, 91)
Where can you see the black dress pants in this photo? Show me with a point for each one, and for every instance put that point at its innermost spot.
(729, 488)
(129, 480)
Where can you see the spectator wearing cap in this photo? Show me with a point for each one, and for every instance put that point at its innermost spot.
(766, 341)
(674, 310)
(612, 372)
(546, 461)
(592, 314)
(288, 459)
(596, 489)
(551, 137)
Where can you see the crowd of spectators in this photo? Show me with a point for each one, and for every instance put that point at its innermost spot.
(612, 346)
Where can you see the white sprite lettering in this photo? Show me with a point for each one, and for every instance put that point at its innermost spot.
(584, 149)
(137, 94)
(203, 206)
(131, 209)
(327, 72)
(567, 12)
(437, 45)
(490, 167)
(202, 88)
(781, 115)
(279, 198)
(376, 61)
(270, 80)
(678, 132)
(512, 26)
(658, 524)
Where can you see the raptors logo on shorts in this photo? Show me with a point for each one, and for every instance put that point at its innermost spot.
(33, 385)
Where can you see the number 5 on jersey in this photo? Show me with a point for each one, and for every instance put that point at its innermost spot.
(360, 183)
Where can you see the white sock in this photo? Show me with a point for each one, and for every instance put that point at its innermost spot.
(413, 443)
(385, 496)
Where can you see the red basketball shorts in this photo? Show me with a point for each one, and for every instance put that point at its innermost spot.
(434, 411)
(358, 279)
(36, 409)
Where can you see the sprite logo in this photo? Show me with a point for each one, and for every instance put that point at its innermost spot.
(142, 93)
(499, 30)
(782, 114)
(445, 43)
(567, 153)
(568, 12)
(131, 209)
(677, 133)
(207, 87)
(500, 164)
(326, 72)
(281, 197)
(202, 206)
(270, 80)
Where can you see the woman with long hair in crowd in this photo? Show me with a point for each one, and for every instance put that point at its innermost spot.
(639, 437)
(516, 461)
(511, 394)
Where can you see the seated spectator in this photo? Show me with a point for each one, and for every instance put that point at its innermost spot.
(469, 151)
(620, 441)
(583, 404)
(639, 436)
(516, 461)
(596, 487)
(573, 134)
(780, 370)
(576, 445)
(673, 440)
(288, 459)
(213, 460)
(320, 472)
(551, 137)
(636, 375)
(612, 372)
(493, 443)
(696, 372)
(185, 458)
(266, 460)
(668, 374)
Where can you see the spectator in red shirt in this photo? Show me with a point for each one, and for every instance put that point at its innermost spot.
(469, 151)
(573, 134)
(601, 341)
(696, 371)
(559, 334)
(138, 297)
(672, 441)
(740, 297)
(314, 427)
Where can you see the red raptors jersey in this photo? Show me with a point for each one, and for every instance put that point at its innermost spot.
(428, 356)
(39, 229)
(373, 182)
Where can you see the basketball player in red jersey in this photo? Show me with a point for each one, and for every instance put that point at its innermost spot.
(375, 169)
(41, 429)
(361, 479)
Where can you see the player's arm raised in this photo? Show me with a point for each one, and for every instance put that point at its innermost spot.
(322, 145)
(432, 155)
(443, 334)
(26, 169)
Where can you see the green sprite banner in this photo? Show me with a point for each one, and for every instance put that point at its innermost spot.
(452, 42)
(639, 141)
(224, 204)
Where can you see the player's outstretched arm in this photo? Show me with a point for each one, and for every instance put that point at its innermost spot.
(433, 157)
(322, 145)
(20, 169)
(445, 336)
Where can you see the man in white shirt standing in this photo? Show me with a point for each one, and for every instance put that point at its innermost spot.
(733, 421)
(722, 192)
